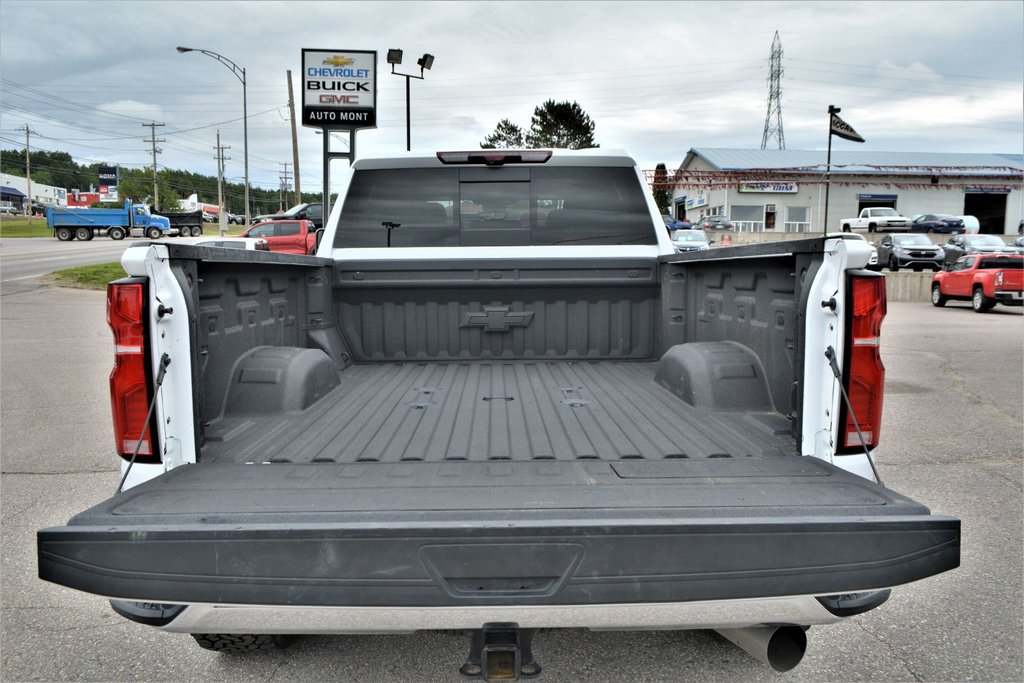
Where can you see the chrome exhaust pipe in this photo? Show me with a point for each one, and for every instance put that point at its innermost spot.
(780, 647)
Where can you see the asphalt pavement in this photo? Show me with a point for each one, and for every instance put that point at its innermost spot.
(953, 436)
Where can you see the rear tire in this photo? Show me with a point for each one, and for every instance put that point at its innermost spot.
(197, 231)
(938, 298)
(980, 302)
(153, 233)
(65, 234)
(116, 233)
(83, 234)
(239, 642)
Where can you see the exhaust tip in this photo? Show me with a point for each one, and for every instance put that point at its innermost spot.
(780, 647)
(786, 648)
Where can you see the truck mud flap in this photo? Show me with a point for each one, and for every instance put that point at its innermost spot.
(648, 532)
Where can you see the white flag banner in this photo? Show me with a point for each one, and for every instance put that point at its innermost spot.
(844, 130)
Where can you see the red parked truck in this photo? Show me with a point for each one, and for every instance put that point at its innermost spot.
(982, 279)
(286, 236)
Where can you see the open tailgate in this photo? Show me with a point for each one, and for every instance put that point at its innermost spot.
(498, 533)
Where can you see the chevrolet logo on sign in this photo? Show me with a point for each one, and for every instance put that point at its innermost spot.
(339, 61)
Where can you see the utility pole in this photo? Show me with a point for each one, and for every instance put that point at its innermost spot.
(285, 177)
(28, 173)
(295, 141)
(774, 128)
(152, 140)
(222, 215)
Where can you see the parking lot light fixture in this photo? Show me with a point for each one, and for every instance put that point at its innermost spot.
(240, 75)
(424, 62)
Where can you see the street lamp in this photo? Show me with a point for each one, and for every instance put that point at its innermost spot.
(424, 62)
(240, 75)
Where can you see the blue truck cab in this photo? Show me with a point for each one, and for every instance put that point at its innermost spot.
(84, 224)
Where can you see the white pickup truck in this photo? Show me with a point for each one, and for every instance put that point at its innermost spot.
(498, 401)
(877, 219)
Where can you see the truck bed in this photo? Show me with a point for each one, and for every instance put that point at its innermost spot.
(497, 411)
(497, 433)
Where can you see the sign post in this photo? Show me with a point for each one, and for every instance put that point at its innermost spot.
(339, 93)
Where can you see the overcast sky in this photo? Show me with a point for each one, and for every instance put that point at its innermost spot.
(657, 78)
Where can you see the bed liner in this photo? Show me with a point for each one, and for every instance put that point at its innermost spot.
(497, 411)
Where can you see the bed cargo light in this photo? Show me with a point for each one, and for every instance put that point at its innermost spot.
(129, 384)
(865, 373)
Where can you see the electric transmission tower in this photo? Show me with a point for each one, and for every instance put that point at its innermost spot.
(773, 118)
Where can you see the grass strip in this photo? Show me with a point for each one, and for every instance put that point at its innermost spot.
(87, 277)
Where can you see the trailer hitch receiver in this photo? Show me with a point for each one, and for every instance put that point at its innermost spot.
(501, 652)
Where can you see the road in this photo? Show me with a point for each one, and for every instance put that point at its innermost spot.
(27, 258)
(952, 438)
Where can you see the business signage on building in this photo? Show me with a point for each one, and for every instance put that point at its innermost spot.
(696, 202)
(769, 186)
(877, 197)
(339, 89)
(987, 189)
(109, 178)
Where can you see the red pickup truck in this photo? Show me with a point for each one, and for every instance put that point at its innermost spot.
(982, 279)
(288, 236)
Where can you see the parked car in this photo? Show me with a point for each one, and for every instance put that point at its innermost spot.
(8, 208)
(691, 240)
(982, 279)
(292, 237)
(313, 211)
(715, 223)
(247, 243)
(962, 245)
(675, 224)
(1019, 242)
(938, 222)
(909, 250)
(235, 219)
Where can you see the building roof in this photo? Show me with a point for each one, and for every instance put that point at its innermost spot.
(11, 191)
(860, 163)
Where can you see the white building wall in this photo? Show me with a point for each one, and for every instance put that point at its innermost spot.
(43, 194)
(844, 199)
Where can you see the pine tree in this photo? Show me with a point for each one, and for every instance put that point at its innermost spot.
(662, 192)
(561, 125)
(506, 135)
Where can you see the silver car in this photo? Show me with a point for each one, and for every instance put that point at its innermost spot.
(690, 240)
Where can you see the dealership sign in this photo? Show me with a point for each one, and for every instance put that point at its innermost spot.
(339, 89)
(769, 186)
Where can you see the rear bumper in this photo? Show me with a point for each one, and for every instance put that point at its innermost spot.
(1010, 297)
(278, 619)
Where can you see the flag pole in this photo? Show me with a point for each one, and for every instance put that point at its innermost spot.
(828, 165)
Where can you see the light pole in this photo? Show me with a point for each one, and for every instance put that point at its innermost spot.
(424, 62)
(240, 75)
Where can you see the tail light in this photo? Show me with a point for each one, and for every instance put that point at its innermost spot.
(130, 391)
(864, 371)
(999, 278)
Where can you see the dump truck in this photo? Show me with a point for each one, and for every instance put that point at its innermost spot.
(85, 224)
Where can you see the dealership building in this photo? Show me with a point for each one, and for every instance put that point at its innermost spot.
(786, 190)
